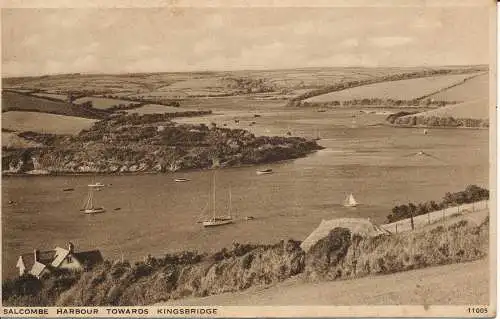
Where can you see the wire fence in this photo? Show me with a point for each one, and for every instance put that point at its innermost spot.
(436, 216)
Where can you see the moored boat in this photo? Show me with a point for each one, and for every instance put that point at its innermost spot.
(92, 211)
(218, 220)
(89, 207)
(98, 184)
(350, 201)
(264, 171)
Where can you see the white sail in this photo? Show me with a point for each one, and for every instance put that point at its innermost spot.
(350, 201)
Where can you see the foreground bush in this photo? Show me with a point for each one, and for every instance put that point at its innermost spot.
(341, 255)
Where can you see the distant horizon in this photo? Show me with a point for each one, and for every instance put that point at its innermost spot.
(250, 70)
(37, 42)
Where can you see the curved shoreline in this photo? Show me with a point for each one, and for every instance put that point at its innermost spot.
(138, 173)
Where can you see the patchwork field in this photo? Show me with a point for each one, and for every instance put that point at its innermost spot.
(473, 89)
(176, 95)
(284, 83)
(395, 90)
(156, 109)
(17, 101)
(12, 101)
(104, 103)
(76, 82)
(44, 122)
(11, 140)
(23, 90)
(60, 97)
(478, 109)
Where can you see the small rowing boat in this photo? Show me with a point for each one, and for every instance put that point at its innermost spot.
(264, 171)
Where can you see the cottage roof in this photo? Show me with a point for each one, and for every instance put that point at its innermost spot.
(54, 258)
(44, 257)
(37, 269)
(61, 253)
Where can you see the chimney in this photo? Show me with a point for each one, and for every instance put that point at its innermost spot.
(71, 247)
(35, 254)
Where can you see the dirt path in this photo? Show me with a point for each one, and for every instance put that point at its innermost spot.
(456, 284)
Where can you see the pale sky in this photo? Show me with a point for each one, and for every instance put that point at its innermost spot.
(92, 40)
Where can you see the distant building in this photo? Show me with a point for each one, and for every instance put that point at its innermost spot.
(40, 263)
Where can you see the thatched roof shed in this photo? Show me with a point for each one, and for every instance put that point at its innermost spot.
(358, 226)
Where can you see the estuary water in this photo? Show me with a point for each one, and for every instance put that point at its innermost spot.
(380, 165)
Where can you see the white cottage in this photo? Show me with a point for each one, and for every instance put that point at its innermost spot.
(40, 263)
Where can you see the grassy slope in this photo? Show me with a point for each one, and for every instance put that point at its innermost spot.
(247, 267)
(11, 140)
(474, 95)
(60, 97)
(457, 284)
(104, 103)
(397, 90)
(462, 283)
(155, 109)
(23, 102)
(478, 109)
(44, 122)
(474, 89)
(183, 84)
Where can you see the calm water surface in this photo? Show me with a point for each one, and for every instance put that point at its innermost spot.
(158, 215)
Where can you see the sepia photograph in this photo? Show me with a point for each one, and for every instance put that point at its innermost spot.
(187, 158)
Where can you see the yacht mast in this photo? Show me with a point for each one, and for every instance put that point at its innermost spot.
(213, 199)
(229, 200)
(89, 204)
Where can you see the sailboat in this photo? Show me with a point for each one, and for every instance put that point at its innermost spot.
(89, 207)
(218, 220)
(317, 136)
(350, 201)
(97, 184)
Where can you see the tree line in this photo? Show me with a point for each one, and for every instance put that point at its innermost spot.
(472, 193)
(437, 121)
(296, 101)
(379, 101)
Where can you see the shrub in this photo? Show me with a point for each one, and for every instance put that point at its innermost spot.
(472, 193)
